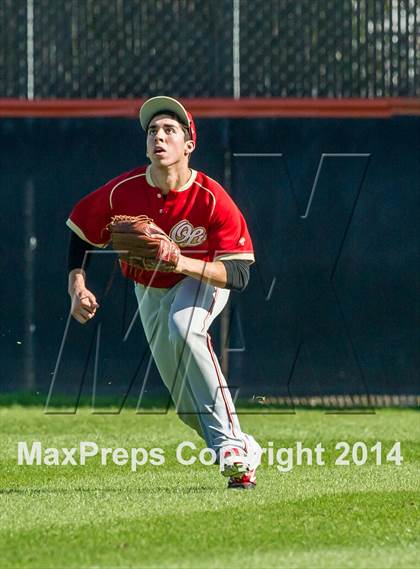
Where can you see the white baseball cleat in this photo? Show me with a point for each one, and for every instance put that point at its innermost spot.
(240, 465)
(247, 481)
(234, 462)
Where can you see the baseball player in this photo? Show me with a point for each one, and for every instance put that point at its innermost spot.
(178, 306)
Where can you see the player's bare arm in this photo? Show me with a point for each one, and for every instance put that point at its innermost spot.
(83, 301)
(213, 273)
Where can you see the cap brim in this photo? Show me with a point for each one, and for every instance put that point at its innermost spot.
(155, 105)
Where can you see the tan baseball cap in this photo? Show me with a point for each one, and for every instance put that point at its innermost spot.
(157, 105)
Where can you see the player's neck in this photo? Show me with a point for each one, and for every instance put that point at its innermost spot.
(170, 178)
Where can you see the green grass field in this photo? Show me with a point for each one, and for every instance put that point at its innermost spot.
(175, 516)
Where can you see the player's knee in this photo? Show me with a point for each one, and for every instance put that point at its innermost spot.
(178, 328)
(181, 329)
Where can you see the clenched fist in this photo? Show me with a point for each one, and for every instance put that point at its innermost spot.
(83, 305)
(83, 301)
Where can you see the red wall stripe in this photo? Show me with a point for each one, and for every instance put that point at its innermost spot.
(207, 108)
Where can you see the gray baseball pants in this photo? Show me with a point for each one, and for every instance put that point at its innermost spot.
(176, 323)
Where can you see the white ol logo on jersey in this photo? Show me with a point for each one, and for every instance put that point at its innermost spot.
(184, 234)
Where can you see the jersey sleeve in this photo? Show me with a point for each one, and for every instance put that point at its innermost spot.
(228, 235)
(91, 215)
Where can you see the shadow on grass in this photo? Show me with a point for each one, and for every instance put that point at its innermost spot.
(140, 490)
(160, 404)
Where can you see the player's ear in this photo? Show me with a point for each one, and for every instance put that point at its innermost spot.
(189, 147)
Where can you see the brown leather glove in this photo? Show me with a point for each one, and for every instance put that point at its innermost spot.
(143, 244)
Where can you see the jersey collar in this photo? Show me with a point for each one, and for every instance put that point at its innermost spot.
(186, 186)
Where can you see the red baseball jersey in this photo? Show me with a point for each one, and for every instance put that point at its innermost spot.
(200, 217)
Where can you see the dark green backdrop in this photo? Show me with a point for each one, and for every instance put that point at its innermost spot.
(331, 307)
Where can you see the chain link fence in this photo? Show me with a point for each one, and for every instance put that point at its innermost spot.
(117, 48)
(13, 48)
(330, 48)
(209, 48)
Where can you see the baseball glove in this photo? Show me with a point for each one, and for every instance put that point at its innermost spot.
(143, 244)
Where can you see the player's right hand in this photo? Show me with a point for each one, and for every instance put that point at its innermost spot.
(83, 305)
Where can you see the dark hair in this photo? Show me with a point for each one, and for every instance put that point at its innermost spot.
(172, 115)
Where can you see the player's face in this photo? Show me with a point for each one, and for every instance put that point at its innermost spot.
(166, 144)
